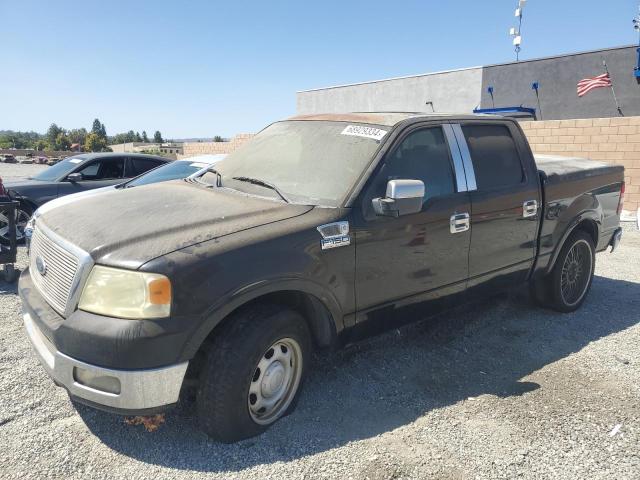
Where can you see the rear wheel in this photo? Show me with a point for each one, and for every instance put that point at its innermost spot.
(566, 287)
(252, 372)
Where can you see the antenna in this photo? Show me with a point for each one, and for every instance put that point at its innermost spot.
(515, 32)
(636, 27)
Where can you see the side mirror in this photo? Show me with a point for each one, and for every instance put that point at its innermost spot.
(74, 177)
(403, 198)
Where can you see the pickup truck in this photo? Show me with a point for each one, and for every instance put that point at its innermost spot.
(320, 230)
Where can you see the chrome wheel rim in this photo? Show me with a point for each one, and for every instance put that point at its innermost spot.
(275, 381)
(22, 218)
(576, 272)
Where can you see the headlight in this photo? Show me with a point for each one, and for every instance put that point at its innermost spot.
(126, 294)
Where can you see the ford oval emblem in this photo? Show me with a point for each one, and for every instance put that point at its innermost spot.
(41, 265)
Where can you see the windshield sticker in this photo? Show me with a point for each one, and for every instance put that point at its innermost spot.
(75, 160)
(366, 132)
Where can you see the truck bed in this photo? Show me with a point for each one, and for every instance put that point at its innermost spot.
(571, 187)
(558, 169)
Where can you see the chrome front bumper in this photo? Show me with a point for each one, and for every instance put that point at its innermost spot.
(139, 390)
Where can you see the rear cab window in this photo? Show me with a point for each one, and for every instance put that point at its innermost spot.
(494, 155)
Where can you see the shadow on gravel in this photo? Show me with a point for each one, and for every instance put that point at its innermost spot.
(389, 381)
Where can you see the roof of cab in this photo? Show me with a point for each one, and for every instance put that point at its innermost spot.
(388, 119)
(94, 155)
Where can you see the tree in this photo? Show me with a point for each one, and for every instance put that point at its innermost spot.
(62, 142)
(52, 134)
(138, 137)
(78, 135)
(95, 143)
(218, 138)
(40, 145)
(97, 127)
(103, 131)
(145, 139)
(157, 137)
(131, 136)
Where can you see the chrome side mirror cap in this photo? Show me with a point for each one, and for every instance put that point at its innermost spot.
(74, 177)
(403, 197)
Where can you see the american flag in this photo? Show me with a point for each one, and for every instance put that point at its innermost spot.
(588, 84)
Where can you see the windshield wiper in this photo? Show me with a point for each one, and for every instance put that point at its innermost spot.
(262, 183)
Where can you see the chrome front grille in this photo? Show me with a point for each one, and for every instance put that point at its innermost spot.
(53, 270)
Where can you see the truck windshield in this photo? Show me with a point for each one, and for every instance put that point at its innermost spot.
(310, 162)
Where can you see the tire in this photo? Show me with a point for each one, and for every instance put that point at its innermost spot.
(245, 368)
(23, 214)
(568, 284)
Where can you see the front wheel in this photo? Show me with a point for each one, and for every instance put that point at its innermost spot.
(23, 214)
(566, 287)
(252, 372)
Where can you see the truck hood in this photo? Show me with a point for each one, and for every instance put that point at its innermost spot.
(127, 228)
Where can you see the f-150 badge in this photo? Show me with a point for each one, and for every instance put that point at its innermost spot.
(334, 235)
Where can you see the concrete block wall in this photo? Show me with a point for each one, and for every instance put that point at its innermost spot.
(191, 149)
(612, 140)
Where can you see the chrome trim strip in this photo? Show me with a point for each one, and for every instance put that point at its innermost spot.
(458, 166)
(466, 158)
(140, 389)
(85, 264)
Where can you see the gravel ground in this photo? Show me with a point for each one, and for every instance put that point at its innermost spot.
(11, 171)
(498, 390)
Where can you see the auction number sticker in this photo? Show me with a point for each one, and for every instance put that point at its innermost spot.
(366, 132)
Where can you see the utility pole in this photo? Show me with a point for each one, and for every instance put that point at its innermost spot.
(516, 32)
(636, 26)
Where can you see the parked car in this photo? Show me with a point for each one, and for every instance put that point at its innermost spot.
(75, 174)
(318, 231)
(169, 171)
(10, 159)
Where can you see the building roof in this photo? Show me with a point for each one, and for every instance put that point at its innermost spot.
(442, 72)
(388, 119)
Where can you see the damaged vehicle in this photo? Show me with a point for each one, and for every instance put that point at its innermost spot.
(319, 231)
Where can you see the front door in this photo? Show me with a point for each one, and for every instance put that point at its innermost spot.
(96, 174)
(402, 262)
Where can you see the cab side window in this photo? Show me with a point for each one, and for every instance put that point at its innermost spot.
(106, 169)
(422, 155)
(494, 155)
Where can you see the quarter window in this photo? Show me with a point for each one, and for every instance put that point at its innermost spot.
(494, 155)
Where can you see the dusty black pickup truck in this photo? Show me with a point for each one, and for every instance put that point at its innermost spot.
(320, 230)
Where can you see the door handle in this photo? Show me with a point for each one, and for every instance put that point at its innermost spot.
(530, 208)
(459, 222)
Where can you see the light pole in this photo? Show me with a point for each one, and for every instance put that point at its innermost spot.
(636, 26)
(516, 32)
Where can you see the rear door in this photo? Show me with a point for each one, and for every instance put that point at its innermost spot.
(505, 199)
(139, 165)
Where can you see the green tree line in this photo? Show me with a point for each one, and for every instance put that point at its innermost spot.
(61, 139)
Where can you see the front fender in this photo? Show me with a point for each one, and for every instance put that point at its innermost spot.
(242, 296)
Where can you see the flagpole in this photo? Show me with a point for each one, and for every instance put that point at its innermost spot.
(615, 98)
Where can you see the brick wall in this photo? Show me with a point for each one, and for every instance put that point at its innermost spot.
(191, 149)
(612, 140)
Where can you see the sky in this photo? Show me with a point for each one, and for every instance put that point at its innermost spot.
(205, 68)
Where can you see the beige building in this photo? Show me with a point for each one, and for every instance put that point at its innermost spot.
(190, 149)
